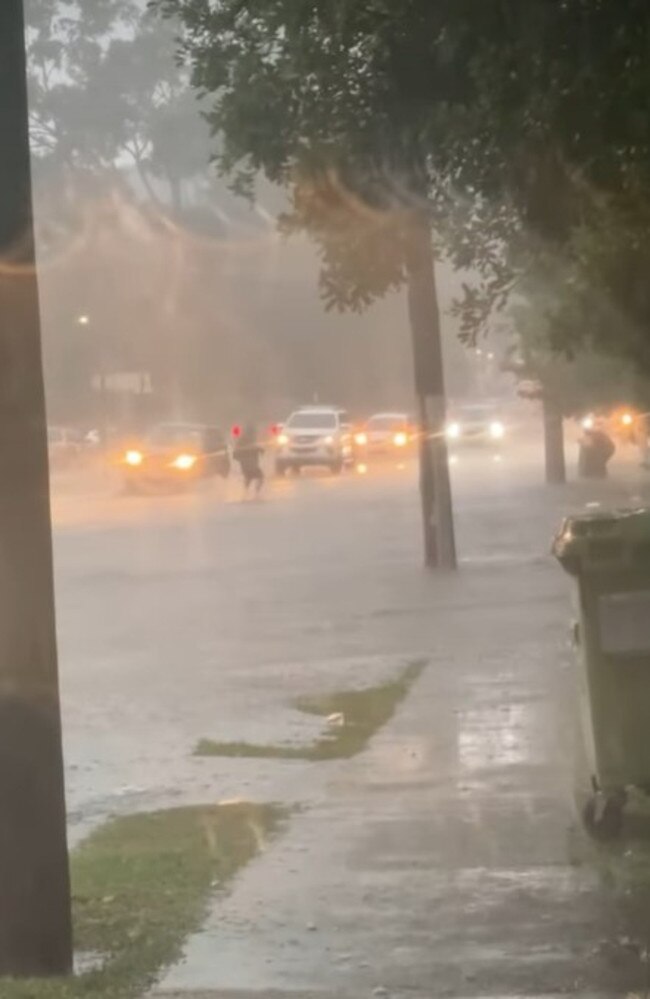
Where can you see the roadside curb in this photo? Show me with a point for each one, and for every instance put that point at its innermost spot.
(384, 993)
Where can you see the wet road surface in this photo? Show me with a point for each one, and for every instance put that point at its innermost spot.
(446, 860)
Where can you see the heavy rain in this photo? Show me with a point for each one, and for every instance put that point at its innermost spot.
(325, 505)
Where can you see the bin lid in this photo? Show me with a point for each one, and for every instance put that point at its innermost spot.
(598, 540)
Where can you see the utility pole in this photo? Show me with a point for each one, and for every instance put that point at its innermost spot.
(35, 929)
(555, 459)
(424, 316)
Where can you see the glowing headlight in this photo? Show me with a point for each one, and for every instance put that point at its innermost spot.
(497, 430)
(627, 419)
(453, 431)
(133, 458)
(588, 423)
(361, 439)
(184, 462)
(400, 439)
(283, 440)
(329, 439)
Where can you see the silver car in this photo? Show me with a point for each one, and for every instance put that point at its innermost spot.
(315, 436)
(475, 423)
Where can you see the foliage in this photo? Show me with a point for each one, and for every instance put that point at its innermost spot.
(513, 124)
(112, 116)
(561, 135)
(570, 385)
(518, 126)
(611, 254)
(345, 104)
(510, 123)
(105, 91)
(218, 315)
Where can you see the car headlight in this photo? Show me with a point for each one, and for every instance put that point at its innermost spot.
(133, 458)
(453, 431)
(329, 439)
(588, 423)
(184, 462)
(400, 439)
(283, 440)
(627, 419)
(361, 439)
(497, 430)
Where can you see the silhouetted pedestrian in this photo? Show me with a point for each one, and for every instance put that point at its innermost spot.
(596, 449)
(248, 453)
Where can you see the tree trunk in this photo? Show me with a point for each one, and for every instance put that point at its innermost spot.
(146, 183)
(176, 193)
(554, 444)
(35, 930)
(424, 316)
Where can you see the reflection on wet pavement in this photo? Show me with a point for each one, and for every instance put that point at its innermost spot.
(494, 737)
(445, 860)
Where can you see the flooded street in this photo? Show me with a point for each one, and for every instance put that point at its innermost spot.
(325, 509)
(447, 858)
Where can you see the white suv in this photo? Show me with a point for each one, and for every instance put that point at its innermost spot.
(316, 436)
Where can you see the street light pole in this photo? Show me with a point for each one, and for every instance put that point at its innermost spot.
(84, 320)
(35, 925)
(424, 315)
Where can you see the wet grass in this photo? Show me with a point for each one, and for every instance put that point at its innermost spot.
(359, 714)
(141, 885)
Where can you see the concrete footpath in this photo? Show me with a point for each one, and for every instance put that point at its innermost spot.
(447, 859)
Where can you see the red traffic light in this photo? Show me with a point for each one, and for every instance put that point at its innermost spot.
(236, 431)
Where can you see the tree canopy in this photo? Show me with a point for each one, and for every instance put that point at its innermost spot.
(523, 124)
(106, 92)
(341, 102)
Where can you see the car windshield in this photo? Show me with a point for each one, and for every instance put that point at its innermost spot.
(312, 421)
(476, 413)
(175, 436)
(388, 422)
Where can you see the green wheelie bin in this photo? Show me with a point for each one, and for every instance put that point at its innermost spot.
(609, 556)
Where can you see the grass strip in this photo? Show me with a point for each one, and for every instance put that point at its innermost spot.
(362, 713)
(141, 885)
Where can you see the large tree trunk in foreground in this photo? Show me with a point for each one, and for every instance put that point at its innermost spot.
(435, 488)
(554, 444)
(35, 932)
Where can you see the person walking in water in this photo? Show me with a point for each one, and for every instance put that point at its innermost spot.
(596, 448)
(248, 453)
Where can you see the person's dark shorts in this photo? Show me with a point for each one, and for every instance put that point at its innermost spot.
(252, 475)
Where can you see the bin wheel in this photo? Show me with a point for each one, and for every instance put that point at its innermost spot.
(603, 815)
